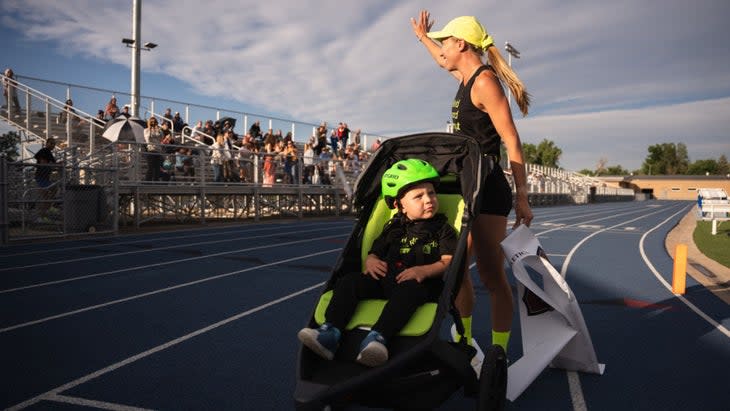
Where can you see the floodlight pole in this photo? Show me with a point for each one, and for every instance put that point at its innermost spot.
(511, 52)
(136, 37)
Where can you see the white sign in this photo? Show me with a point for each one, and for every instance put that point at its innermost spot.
(553, 330)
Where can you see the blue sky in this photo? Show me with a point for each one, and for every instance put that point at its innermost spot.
(608, 79)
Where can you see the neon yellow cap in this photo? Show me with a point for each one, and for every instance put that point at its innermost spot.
(467, 28)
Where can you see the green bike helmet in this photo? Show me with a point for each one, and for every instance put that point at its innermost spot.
(404, 174)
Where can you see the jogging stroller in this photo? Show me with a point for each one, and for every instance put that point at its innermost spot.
(423, 369)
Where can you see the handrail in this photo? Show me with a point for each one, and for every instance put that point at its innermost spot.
(193, 132)
(36, 93)
(365, 136)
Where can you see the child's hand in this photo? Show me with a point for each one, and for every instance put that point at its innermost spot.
(417, 273)
(375, 267)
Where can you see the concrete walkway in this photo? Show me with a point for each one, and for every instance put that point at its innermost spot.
(708, 272)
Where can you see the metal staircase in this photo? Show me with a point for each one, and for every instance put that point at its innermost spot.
(39, 117)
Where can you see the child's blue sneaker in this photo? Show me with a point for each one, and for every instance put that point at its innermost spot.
(323, 340)
(373, 351)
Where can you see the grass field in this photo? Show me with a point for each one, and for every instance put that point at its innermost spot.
(716, 246)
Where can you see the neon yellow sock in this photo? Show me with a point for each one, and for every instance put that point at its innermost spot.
(467, 328)
(501, 338)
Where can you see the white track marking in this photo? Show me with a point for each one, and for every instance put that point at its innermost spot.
(159, 291)
(574, 385)
(50, 394)
(576, 391)
(181, 260)
(186, 245)
(564, 270)
(668, 286)
(219, 231)
(103, 405)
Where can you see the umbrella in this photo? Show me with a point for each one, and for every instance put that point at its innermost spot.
(219, 123)
(125, 129)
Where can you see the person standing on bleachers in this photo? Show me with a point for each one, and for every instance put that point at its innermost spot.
(111, 111)
(10, 91)
(153, 137)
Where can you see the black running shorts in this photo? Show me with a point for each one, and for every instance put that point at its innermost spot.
(496, 194)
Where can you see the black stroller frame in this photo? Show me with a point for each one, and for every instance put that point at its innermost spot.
(422, 371)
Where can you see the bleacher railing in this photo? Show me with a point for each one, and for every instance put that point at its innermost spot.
(94, 98)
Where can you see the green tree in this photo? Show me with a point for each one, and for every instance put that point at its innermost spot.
(549, 153)
(702, 167)
(723, 168)
(9, 145)
(545, 154)
(666, 158)
(529, 152)
(616, 171)
(587, 172)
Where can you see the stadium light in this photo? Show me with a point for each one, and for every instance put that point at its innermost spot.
(133, 43)
(511, 52)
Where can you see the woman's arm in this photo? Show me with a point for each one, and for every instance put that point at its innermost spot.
(421, 27)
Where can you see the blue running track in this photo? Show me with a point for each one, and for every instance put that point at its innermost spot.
(206, 318)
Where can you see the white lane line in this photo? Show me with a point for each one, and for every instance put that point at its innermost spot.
(564, 270)
(185, 245)
(164, 346)
(152, 237)
(668, 286)
(159, 291)
(164, 263)
(103, 405)
(576, 391)
(574, 385)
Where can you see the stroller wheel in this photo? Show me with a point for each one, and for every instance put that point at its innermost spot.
(493, 380)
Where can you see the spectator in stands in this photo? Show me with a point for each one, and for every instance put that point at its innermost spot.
(357, 138)
(269, 167)
(99, 119)
(244, 162)
(43, 171)
(184, 162)
(334, 140)
(269, 138)
(218, 157)
(153, 137)
(344, 138)
(167, 116)
(125, 111)
(255, 130)
(376, 145)
(248, 140)
(10, 91)
(210, 134)
(321, 136)
(290, 163)
(177, 123)
(111, 110)
(308, 163)
(196, 130)
(230, 168)
(288, 137)
(66, 114)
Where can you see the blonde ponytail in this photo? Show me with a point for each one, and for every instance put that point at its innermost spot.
(508, 77)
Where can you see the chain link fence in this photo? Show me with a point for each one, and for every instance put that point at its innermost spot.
(50, 200)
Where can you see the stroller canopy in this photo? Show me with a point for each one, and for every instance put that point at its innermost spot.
(449, 153)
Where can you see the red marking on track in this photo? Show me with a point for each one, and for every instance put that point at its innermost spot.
(629, 302)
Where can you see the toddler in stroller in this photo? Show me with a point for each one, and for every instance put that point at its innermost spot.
(416, 367)
(403, 265)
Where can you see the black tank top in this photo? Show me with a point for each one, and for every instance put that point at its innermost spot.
(471, 121)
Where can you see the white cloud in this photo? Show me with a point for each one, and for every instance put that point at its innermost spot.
(608, 78)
